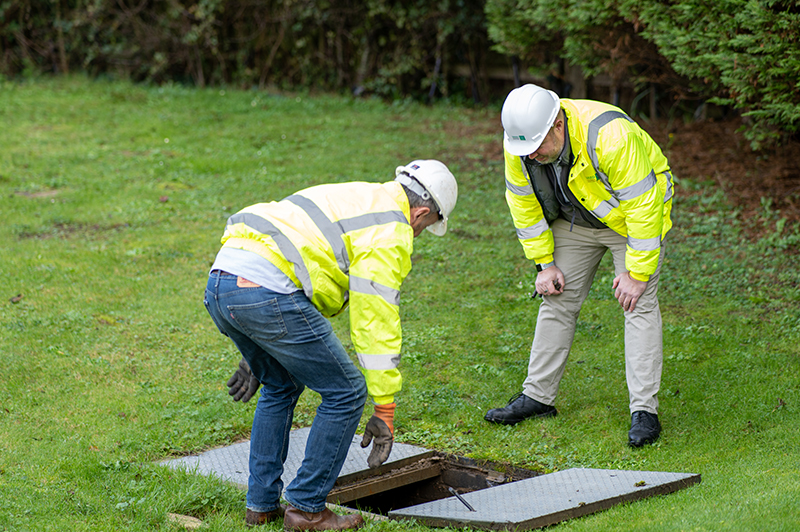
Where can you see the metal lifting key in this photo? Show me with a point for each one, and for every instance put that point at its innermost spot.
(460, 498)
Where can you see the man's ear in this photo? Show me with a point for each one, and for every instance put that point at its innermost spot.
(419, 213)
(561, 120)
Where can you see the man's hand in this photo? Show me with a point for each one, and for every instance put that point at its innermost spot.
(379, 431)
(550, 281)
(243, 384)
(628, 290)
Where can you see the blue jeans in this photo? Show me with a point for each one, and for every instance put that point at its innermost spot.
(290, 345)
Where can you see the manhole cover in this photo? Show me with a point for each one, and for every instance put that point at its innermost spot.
(449, 491)
(546, 499)
(231, 463)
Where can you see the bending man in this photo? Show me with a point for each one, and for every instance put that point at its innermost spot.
(583, 178)
(283, 269)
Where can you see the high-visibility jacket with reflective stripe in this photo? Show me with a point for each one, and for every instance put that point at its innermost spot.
(619, 175)
(340, 243)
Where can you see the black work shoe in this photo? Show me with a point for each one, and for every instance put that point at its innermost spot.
(645, 428)
(518, 408)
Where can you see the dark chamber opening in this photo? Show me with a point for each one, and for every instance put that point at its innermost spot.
(423, 480)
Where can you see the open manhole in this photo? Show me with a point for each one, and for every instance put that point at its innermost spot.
(441, 490)
(420, 480)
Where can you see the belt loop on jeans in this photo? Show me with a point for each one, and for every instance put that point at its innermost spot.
(220, 275)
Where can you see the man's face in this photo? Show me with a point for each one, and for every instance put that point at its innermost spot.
(551, 146)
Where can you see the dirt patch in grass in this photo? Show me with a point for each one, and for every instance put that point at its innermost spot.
(67, 230)
(39, 194)
(716, 151)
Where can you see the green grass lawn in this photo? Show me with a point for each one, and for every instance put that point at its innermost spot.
(114, 197)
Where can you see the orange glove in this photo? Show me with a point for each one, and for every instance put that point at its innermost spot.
(380, 428)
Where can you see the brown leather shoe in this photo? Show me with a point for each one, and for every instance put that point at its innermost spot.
(295, 520)
(252, 518)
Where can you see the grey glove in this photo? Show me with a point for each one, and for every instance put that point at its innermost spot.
(243, 384)
(379, 431)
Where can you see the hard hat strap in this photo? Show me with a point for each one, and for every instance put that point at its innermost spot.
(413, 185)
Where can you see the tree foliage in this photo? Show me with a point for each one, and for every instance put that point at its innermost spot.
(742, 53)
(747, 52)
(391, 47)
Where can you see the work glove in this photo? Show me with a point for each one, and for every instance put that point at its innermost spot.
(379, 431)
(243, 384)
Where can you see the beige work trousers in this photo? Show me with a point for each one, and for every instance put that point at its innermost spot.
(578, 253)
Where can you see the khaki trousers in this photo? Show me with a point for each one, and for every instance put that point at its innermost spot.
(578, 254)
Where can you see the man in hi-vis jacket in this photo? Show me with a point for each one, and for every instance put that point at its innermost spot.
(583, 178)
(286, 267)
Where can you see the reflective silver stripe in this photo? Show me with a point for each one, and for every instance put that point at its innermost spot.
(603, 210)
(644, 244)
(670, 185)
(378, 361)
(591, 143)
(533, 231)
(527, 190)
(368, 286)
(266, 227)
(331, 231)
(368, 220)
(637, 189)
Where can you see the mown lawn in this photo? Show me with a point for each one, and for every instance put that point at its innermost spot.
(114, 197)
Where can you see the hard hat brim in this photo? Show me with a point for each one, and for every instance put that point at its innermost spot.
(438, 228)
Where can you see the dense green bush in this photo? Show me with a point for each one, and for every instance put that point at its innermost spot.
(390, 47)
(742, 53)
(747, 52)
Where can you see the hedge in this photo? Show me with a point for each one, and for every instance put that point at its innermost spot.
(744, 54)
(389, 47)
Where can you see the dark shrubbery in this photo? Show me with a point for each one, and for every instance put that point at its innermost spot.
(390, 47)
(747, 52)
(743, 54)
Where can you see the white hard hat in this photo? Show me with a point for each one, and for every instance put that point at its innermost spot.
(438, 181)
(528, 114)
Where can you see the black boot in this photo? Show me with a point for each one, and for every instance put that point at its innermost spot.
(519, 407)
(645, 428)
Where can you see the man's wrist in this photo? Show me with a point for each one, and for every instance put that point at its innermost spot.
(545, 265)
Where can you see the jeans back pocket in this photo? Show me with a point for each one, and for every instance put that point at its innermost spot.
(261, 321)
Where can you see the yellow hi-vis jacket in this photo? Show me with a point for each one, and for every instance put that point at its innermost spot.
(619, 175)
(340, 243)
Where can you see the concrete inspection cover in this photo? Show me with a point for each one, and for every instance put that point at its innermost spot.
(520, 505)
(546, 499)
(231, 463)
